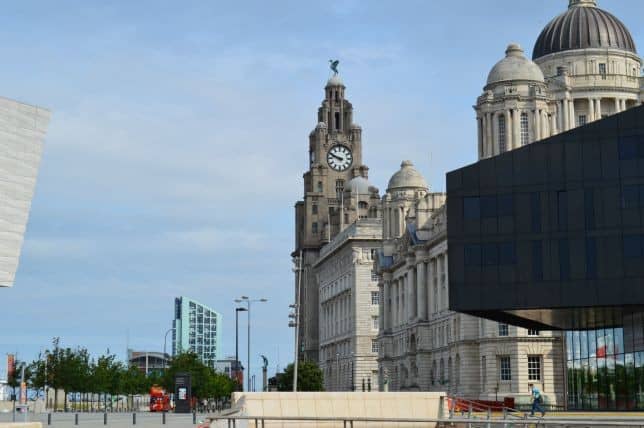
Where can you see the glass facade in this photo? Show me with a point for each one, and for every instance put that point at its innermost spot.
(605, 367)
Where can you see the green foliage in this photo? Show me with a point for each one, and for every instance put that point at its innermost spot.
(309, 377)
(206, 383)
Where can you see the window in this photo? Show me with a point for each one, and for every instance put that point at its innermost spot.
(535, 210)
(631, 196)
(505, 205)
(632, 246)
(564, 259)
(320, 186)
(490, 255)
(507, 253)
(314, 227)
(375, 297)
(631, 148)
(472, 256)
(374, 346)
(375, 323)
(582, 120)
(488, 206)
(337, 120)
(374, 276)
(562, 210)
(589, 208)
(339, 188)
(505, 368)
(591, 258)
(502, 143)
(602, 70)
(534, 367)
(532, 332)
(537, 261)
(471, 208)
(314, 209)
(503, 330)
(525, 136)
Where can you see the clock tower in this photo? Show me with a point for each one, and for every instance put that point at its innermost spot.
(336, 193)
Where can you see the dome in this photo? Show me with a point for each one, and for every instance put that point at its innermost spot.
(515, 66)
(407, 178)
(359, 185)
(335, 80)
(583, 26)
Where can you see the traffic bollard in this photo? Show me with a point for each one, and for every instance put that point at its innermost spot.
(163, 418)
(133, 418)
(76, 419)
(194, 417)
(48, 418)
(105, 418)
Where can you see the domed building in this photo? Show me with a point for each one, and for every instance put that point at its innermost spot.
(584, 67)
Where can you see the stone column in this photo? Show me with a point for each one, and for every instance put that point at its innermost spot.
(573, 120)
(623, 104)
(516, 128)
(618, 105)
(536, 129)
(566, 111)
(413, 293)
(553, 122)
(488, 133)
(384, 305)
(544, 124)
(439, 291)
(480, 136)
(508, 130)
(591, 110)
(421, 291)
(599, 108)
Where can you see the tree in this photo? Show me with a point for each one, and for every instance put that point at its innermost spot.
(309, 377)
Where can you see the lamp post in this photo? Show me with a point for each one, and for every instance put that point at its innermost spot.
(295, 317)
(237, 365)
(165, 339)
(248, 301)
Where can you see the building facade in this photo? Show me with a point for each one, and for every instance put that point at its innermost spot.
(196, 328)
(22, 131)
(584, 67)
(349, 302)
(335, 159)
(425, 346)
(148, 361)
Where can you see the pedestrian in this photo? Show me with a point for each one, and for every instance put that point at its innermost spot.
(537, 400)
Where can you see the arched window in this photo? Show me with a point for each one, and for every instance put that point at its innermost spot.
(501, 134)
(525, 136)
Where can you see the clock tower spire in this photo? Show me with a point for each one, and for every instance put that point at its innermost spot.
(336, 194)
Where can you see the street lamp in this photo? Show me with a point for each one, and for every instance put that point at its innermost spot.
(237, 365)
(248, 301)
(295, 317)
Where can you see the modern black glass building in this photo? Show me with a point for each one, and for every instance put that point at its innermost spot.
(551, 236)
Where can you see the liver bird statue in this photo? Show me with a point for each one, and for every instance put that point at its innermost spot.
(333, 63)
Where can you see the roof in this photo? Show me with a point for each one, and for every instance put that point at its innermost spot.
(407, 177)
(583, 26)
(515, 66)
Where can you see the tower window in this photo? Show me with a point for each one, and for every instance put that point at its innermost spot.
(602, 70)
(501, 133)
(319, 186)
(339, 188)
(314, 227)
(524, 129)
(314, 209)
(337, 120)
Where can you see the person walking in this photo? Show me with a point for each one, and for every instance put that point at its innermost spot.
(537, 400)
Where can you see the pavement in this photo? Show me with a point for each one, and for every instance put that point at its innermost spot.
(95, 420)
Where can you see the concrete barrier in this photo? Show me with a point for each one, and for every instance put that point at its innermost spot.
(340, 404)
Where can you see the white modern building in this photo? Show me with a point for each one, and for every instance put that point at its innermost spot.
(22, 131)
(196, 328)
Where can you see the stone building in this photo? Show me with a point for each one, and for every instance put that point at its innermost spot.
(349, 302)
(584, 67)
(423, 346)
(335, 165)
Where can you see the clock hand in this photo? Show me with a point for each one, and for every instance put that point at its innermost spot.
(337, 157)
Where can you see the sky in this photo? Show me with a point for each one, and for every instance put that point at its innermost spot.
(179, 137)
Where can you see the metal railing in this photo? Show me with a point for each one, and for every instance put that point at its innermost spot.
(260, 421)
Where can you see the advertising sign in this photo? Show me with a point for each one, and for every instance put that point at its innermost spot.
(182, 393)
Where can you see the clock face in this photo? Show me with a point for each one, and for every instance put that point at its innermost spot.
(339, 157)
